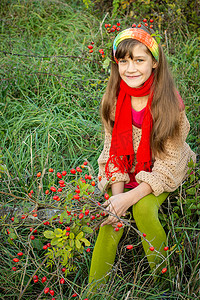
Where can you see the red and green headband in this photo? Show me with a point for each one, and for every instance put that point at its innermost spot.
(140, 35)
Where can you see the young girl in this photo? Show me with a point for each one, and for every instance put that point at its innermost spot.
(145, 155)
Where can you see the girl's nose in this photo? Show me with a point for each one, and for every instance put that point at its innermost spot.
(131, 66)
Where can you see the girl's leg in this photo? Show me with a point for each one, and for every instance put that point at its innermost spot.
(104, 254)
(145, 213)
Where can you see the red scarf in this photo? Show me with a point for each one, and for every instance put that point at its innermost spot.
(121, 150)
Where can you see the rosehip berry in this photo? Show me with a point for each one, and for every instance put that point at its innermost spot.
(129, 247)
(89, 177)
(53, 189)
(144, 235)
(60, 222)
(32, 237)
(151, 26)
(92, 217)
(98, 215)
(51, 170)
(99, 177)
(62, 280)
(106, 25)
(146, 24)
(47, 192)
(85, 163)
(59, 190)
(68, 228)
(93, 183)
(35, 277)
(35, 215)
(139, 25)
(106, 196)
(77, 191)
(90, 47)
(35, 280)
(51, 292)
(45, 247)
(144, 20)
(87, 212)
(39, 174)
(151, 20)
(76, 197)
(73, 171)
(55, 197)
(164, 270)
(59, 175)
(46, 290)
(118, 28)
(88, 250)
(166, 248)
(92, 43)
(16, 259)
(12, 219)
(64, 173)
(118, 24)
(63, 270)
(44, 279)
(116, 229)
(48, 244)
(31, 229)
(119, 225)
(83, 181)
(152, 248)
(134, 25)
(20, 254)
(103, 214)
(23, 217)
(74, 295)
(81, 215)
(14, 268)
(67, 233)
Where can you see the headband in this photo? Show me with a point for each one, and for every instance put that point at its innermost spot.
(140, 35)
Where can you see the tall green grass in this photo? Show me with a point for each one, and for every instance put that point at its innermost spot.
(51, 89)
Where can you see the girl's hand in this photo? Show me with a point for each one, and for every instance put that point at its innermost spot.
(117, 205)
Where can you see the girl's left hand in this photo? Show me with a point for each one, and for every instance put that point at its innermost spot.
(117, 205)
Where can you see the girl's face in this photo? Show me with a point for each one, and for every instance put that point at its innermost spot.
(137, 70)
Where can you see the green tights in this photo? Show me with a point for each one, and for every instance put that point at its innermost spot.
(145, 213)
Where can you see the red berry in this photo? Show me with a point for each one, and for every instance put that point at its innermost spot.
(76, 197)
(60, 222)
(93, 183)
(85, 163)
(14, 268)
(67, 233)
(119, 225)
(129, 247)
(146, 24)
(77, 191)
(51, 292)
(32, 237)
(74, 295)
(90, 47)
(62, 280)
(16, 259)
(45, 247)
(35, 215)
(46, 290)
(134, 25)
(98, 215)
(53, 189)
(139, 25)
(144, 20)
(73, 171)
(68, 228)
(106, 196)
(35, 277)
(151, 26)
(103, 214)
(59, 190)
(51, 170)
(166, 248)
(55, 197)
(35, 280)
(144, 235)
(12, 219)
(23, 217)
(48, 244)
(64, 173)
(88, 250)
(92, 43)
(152, 248)
(44, 279)
(59, 175)
(89, 177)
(116, 229)
(164, 270)
(62, 185)
(63, 270)
(118, 24)
(151, 20)
(47, 192)
(87, 212)
(92, 217)
(39, 174)
(81, 215)
(20, 254)
(99, 177)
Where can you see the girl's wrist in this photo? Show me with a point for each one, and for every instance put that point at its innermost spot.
(142, 190)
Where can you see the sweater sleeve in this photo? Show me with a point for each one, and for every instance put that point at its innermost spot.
(102, 160)
(169, 171)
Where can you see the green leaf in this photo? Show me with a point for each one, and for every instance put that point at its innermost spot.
(13, 236)
(49, 234)
(71, 243)
(71, 235)
(55, 241)
(78, 244)
(85, 241)
(191, 191)
(58, 232)
(106, 63)
(37, 244)
(87, 229)
(80, 235)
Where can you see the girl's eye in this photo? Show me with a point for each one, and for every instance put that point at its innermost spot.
(122, 61)
(139, 60)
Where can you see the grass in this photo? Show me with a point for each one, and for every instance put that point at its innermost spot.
(51, 89)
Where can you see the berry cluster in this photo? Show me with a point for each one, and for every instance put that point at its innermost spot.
(145, 24)
(111, 28)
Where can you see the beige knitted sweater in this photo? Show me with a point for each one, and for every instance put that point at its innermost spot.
(168, 172)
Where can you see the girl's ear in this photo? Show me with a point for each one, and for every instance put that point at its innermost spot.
(155, 64)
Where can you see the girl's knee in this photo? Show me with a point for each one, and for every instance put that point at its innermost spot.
(146, 207)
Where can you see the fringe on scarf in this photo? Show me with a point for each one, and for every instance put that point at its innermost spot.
(122, 164)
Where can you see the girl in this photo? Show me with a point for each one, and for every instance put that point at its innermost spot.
(145, 155)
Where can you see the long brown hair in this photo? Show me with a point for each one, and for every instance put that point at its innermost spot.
(165, 106)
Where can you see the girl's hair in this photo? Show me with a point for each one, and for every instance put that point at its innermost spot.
(165, 107)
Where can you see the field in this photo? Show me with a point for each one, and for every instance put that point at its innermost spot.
(51, 89)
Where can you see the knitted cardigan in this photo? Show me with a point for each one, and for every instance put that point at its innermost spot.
(168, 171)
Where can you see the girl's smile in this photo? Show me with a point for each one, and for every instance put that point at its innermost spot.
(137, 70)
